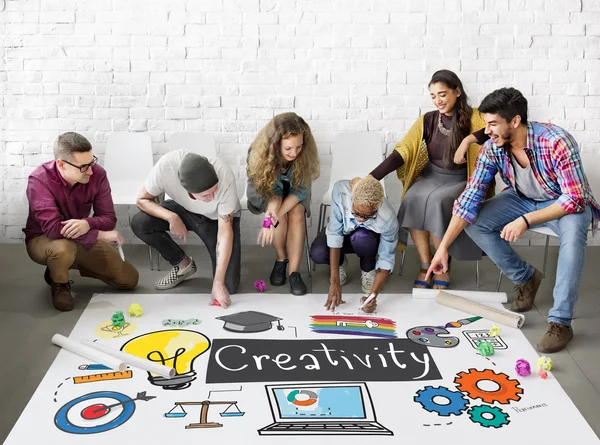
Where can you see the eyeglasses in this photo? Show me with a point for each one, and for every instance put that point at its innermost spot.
(360, 215)
(83, 168)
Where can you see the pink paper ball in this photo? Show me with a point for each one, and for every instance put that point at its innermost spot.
(260, 286)
(267, 222)
(523, 368)
(543, 374)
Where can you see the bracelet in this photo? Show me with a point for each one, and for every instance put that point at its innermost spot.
(526, 222)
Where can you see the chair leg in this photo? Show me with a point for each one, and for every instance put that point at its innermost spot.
(150, 258)
(477, 274)
(307, 246)
(158, 262)
(321, 208)
(499, 281)
(546, 255)
(401, 271)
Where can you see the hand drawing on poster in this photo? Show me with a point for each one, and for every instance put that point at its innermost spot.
(176, 348)
(322, 409)
(97, 412)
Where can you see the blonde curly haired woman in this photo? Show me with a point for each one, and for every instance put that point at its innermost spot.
(364, 222)
(282, 163)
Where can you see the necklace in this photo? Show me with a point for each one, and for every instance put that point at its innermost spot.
(441, 127)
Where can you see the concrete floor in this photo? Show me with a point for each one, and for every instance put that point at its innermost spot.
(28, 320)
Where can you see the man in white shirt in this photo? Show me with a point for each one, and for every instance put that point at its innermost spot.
(203, 199)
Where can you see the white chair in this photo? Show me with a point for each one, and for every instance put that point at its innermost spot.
(128, 162)
(353, 154)
(591, 160)
(201, 143)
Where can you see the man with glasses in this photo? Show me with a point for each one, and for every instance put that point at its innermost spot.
(60, 233)
(362, 221)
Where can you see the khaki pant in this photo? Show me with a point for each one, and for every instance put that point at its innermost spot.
(102, 261)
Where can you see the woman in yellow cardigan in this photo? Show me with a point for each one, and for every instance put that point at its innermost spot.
(425, 163)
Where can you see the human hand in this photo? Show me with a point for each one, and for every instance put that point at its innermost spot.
(74, 228)
(439, 263)
(177, 227)
(334, 299)
(370, 307)
(514, 230)
(460, 157)
(111, 237)
(220, 295)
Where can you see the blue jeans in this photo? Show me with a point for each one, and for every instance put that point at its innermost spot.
(572, 235)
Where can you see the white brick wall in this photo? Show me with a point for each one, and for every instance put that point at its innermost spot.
(227, 66)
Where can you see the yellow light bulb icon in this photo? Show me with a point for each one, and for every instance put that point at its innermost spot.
(177, 348)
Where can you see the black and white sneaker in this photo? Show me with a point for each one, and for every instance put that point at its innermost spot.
(176, 276)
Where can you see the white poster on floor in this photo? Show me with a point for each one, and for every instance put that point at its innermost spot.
(279, 367)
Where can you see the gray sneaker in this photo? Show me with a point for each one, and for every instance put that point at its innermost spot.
(176, 276)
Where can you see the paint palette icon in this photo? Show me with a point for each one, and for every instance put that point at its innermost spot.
(431, 336)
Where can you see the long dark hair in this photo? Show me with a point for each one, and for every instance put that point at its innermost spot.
(461, 117)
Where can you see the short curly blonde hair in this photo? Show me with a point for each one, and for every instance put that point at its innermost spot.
(367, 192)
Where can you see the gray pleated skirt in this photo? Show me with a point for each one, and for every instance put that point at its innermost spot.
(428, 204)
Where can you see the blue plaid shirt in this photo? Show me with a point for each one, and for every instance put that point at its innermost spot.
(342, 222)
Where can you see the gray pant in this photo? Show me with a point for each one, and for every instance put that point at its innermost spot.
(153, 231)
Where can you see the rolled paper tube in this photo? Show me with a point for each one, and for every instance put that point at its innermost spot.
(132, 360)
(89, 353)
(502, 316)
(482, 297)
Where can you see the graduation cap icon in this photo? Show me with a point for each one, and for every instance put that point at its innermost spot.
(250, 321)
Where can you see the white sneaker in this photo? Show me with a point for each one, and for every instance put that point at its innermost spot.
(343, 276)
(367, 280)
(176, 276)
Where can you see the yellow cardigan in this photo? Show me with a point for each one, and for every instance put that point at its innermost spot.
(413, 150)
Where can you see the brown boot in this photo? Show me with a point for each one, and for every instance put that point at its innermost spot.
(62, 299)
(526, 293)
(555, 339)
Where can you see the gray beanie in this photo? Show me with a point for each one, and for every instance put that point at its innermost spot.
(196, 173)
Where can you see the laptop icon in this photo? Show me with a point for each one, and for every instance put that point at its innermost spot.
(322, 409)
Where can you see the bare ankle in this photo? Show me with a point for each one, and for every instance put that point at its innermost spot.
(185, 262)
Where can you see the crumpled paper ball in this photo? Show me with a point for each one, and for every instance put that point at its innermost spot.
(135, 310)
(523, 367)
(267, 222)
(494, 331)
(485, 348)
(260, 286)
(544, 363)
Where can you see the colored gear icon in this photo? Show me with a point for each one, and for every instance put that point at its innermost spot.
(508, 388)
(456, 406)
(499, 418)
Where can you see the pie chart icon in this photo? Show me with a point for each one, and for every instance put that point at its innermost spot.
(302, 397)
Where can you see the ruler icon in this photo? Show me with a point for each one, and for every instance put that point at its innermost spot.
(104, 376)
